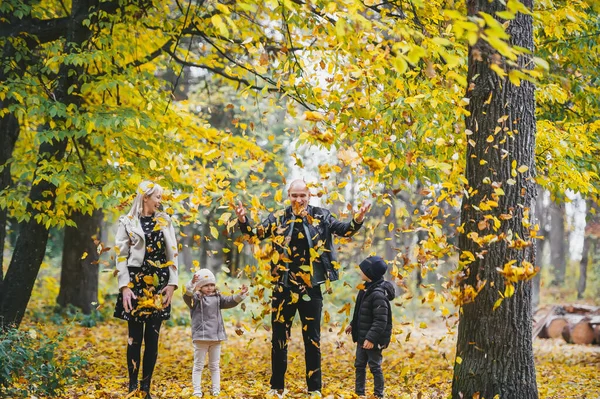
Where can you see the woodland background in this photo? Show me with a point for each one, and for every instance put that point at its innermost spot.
(472, 127)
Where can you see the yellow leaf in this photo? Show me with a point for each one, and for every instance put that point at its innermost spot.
(313, 116)
(214, 232)
(218, 22)
(85, 254)
(498, 303)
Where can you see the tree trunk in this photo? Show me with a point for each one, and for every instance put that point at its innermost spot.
(494, 353)
(187, 241)
(541, 220)
(558, 247)
(79, 273)
(31, 243)
(9, 133)
(589, 236)
(583, 266)
(391, 243)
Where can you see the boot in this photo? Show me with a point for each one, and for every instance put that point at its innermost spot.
(145, 388)
(133, 386)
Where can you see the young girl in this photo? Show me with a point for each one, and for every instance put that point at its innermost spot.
(205, 303)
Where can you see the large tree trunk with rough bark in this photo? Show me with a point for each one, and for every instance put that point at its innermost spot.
(79, 272)
(30, 246)
(494, 355)
(9, 132)
(558, 243)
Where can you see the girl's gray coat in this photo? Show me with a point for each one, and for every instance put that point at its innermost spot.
(207, 321)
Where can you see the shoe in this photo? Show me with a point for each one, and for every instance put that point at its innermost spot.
(197, 394)
(315, 394)
(276, 393)
(133, 387)
(215, 392)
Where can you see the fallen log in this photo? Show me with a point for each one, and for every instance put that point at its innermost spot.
(557, 324)
(582, 309)
(578, 324)
(581, 333)
(597, 334)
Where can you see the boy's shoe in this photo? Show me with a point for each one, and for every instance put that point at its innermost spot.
(315, 394)
(215, 392)
(276, 393)
(197, 395)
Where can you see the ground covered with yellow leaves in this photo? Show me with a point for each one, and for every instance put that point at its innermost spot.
(417, 365)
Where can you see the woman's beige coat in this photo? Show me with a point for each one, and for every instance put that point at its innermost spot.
(131, 247)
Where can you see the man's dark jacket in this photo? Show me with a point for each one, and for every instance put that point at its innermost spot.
(372, 318)
(319, 227)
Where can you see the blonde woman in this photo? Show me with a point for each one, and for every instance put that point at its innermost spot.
(146, 249)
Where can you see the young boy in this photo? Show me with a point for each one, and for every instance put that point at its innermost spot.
(371, 325)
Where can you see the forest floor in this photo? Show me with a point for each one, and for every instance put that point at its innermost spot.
(417, 365)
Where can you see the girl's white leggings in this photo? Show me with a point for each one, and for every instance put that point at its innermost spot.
(201, 348)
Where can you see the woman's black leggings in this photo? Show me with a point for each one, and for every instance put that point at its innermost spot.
(148, 332)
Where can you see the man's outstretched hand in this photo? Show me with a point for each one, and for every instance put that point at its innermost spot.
(360, 216)
(240, 211)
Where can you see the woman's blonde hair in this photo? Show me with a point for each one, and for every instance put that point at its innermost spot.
(145, 188)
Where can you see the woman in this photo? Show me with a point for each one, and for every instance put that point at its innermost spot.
(147, 271)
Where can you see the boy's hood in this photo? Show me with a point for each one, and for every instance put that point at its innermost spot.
(387, 288)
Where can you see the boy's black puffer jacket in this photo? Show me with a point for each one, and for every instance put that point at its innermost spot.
(372, 318)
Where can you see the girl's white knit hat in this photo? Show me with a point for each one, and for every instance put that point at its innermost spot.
(205, 277)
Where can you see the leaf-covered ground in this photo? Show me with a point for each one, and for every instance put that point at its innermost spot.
(417, 365)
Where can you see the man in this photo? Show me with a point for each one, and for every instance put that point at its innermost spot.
(303, 237)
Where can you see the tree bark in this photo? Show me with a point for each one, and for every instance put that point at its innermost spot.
(79, 273)
(494, 353)
(31, 243)
(558, 247)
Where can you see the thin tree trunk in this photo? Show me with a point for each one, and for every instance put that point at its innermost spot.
(541, 220)
(494, 355)
(391, 244)
(33, 236)
(583, 266)
(591, 228)
(186, 258)
(79, 273)
(558, 247)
